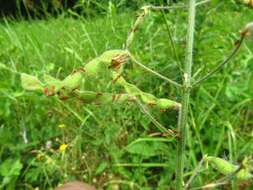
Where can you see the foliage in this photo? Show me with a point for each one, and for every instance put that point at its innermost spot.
(103, 143)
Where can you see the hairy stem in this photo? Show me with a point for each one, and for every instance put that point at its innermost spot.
(183, 115)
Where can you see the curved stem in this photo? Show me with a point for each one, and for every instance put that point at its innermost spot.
(222, 64)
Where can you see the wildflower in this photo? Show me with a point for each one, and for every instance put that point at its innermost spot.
(63, 147)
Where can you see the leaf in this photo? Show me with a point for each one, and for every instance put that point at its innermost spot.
(148, 146)
(101, 167)
(30, 82)
(10, 167)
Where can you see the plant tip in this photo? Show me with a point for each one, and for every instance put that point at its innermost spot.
(247, 30)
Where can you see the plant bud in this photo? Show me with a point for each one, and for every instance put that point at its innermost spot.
(247, 31)
(226, 168)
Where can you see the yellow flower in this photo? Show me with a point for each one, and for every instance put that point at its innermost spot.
(62, 126)
(63, 147)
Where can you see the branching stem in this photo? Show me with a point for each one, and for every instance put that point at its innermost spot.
(183, 115)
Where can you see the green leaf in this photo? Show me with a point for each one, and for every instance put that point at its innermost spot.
(10, 167)
(101, 167)
(148, 146)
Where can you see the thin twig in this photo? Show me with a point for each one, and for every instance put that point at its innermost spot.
(136, 25)
(202, 2)
(195, 172)
(161, 8)
(221, 181)
(173, 47)
(229, 176)
(146, 165)
(154, 121)
(153, 72)
(209, 186)
(222, 64)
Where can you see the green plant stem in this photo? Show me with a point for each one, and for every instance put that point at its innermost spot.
(183, 113)
(153, 72)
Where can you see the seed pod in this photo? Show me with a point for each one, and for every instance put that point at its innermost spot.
(226, 168)
(244, 174)
(106, 66)
(30, 82)
(72, 81)
(102, 98)
(107, 60)
(52, 84)
(146, 98)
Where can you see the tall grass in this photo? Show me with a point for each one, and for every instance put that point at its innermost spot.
(102, 147)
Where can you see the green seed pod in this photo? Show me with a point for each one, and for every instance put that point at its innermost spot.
(30, 82)
(164, 104)
(221, 165)
(52, 83)
(102, 98)
(93, 67)
(226, 168)
(109, 59)
(106, 67)
(244, 174)
(73, 81)
(146, 98)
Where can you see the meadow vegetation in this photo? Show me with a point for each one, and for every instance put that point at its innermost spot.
(45, 141)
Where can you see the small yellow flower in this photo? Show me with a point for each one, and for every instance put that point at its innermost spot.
(62, 126)
(63, 147)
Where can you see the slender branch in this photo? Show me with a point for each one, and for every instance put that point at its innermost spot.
(222, 64)
(221, 181)
(137, 23)
(154, 72)
(182, 121)
(161, 8)
(173, 47)
(155, 122)
(202, 2)
(209, 186)
(145, 165)
(195, 173)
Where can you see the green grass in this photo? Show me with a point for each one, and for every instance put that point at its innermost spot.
(101, 139)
